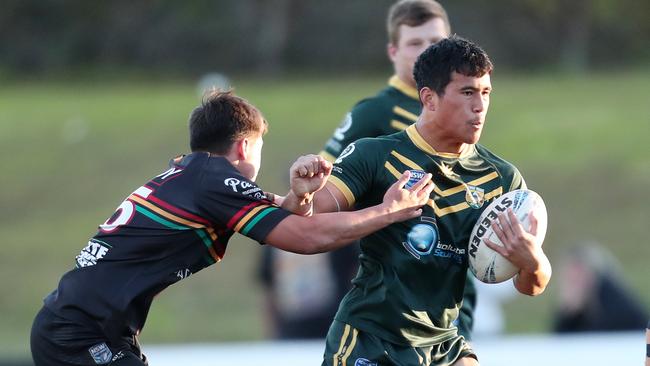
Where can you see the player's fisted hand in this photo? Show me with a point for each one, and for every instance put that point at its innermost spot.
(311, 165)
(308, 175)
(405, 202)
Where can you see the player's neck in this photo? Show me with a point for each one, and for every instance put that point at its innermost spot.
(438, 142)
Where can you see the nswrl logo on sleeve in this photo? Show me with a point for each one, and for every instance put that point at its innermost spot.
(101, 353)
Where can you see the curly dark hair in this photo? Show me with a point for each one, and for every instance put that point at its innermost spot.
(221, 119)
(434, 66)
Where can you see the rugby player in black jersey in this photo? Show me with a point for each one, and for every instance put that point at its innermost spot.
(180, 221)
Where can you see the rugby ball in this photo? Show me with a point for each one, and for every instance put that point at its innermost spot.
(486, 264)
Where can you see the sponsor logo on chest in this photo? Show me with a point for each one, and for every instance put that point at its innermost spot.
(244, 187)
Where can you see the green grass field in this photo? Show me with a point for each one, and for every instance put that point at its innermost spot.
(70, 153)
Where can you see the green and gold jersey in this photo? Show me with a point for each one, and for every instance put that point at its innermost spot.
(410, 283)
(391, 110)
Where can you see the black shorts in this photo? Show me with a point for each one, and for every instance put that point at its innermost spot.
(58, 341)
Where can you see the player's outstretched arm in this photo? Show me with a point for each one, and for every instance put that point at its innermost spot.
(520, 248)
(329, 231)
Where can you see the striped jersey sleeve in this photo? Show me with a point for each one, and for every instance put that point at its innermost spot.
(238, 204)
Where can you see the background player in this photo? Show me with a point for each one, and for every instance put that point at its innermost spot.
(179, 223)
(411, 278)
(412, 25)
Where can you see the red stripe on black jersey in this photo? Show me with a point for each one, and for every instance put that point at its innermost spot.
(241, 213)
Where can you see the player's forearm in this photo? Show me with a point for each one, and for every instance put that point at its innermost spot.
(534, 281)
(342, 228)
(329, 231)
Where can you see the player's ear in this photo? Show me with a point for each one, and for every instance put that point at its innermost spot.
(391, 50)
(429, 99)
(241, 148)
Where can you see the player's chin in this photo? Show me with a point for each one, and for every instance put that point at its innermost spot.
(473, 137)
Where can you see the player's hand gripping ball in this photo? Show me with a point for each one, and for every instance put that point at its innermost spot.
(486, 264)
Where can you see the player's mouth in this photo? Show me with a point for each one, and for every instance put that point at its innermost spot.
(477, 123)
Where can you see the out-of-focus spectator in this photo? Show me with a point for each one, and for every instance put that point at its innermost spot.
(303, 292)
(488, 313)
(593, 295)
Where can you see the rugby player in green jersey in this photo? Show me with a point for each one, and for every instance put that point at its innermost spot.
(412, 25)
(410, 283)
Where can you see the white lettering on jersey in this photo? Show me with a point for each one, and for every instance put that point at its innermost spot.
(340, 131)
(348, 150)
(183, 273)
(169, 172)
(89, 255)
(235, 184)
(232, 183)
(124, 212)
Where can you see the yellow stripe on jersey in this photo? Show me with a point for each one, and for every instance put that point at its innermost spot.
(338, 183)
(475, 182)
(210, 231)
(392, 170)
(414, 135)
(348, 352)
(398, 125)
(346, 332)
(214, 254)
(447, 192)
(329, 157)
(423, 145)
(464, 205)
(408, 162)
(249, 216)
(408, 90)
(164, 213)
(404, 113)
(397, 174)
(484, 179)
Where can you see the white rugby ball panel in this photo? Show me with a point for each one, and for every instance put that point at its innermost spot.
(486, 264)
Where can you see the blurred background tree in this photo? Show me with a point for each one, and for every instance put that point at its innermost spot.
(270, 37)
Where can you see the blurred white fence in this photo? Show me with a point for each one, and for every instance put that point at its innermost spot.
(593, 349)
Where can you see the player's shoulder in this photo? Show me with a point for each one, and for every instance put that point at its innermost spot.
(493, 158)
(378, 105)
(370, 148)
(383, 142)
(505, 168)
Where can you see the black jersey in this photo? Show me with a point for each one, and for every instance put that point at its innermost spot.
(173, 226)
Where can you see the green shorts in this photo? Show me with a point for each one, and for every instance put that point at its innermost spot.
(347, 346)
